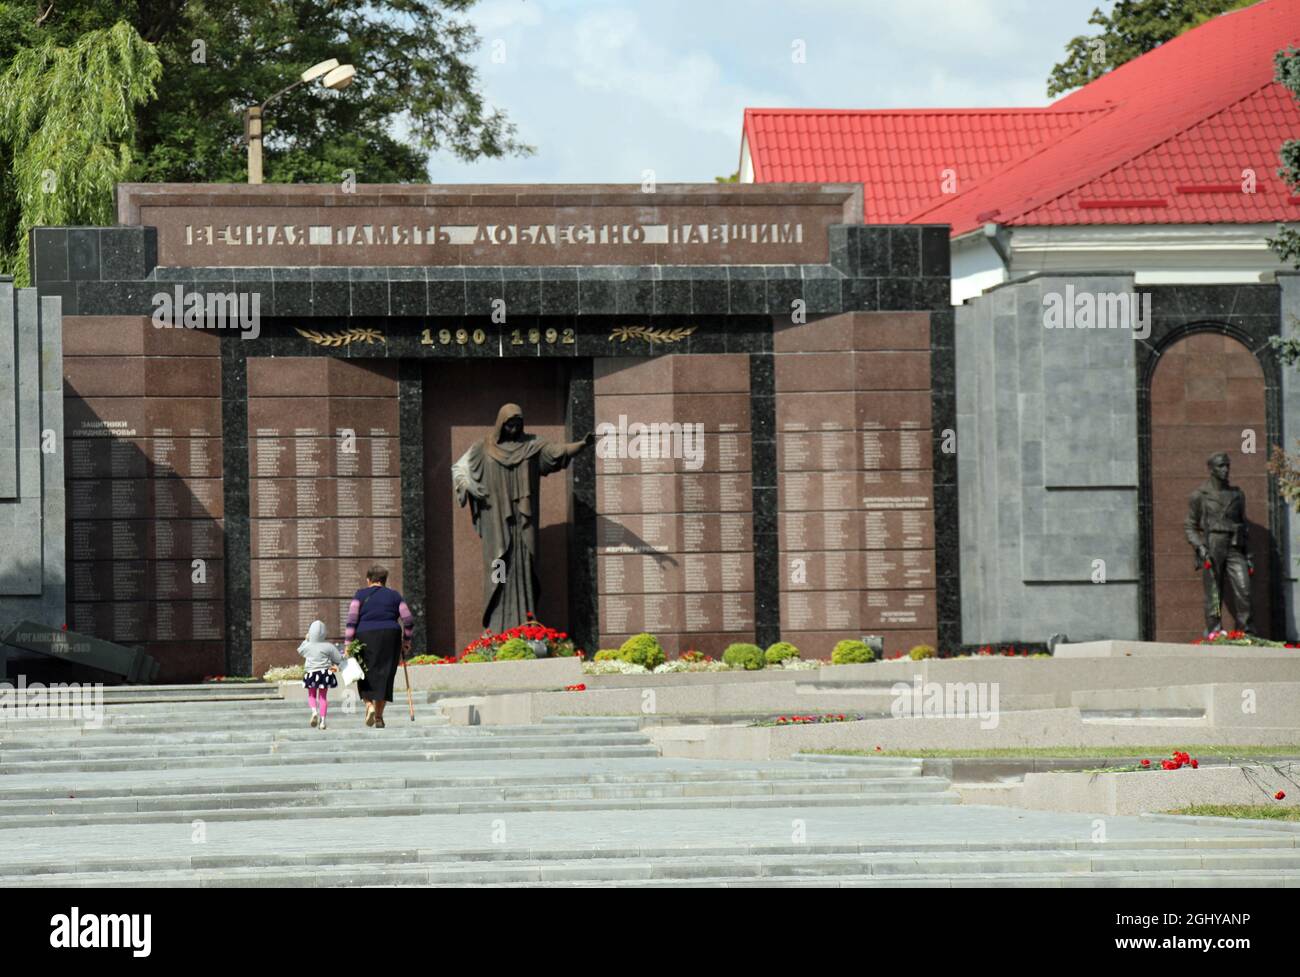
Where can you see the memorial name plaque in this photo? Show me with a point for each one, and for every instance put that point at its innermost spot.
(397, 224)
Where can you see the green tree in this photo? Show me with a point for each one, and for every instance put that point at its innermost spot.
(1132, 28)
(1286, 72)
(416, 90)
(67, 121)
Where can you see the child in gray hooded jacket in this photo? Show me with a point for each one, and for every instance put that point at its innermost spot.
(319, 671)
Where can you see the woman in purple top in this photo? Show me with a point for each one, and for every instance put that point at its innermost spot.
(380, 620)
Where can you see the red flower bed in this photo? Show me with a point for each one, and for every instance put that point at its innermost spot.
(804, 720)
(487, 643)
(1177, 761)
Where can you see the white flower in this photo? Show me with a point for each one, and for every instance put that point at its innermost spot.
(288, 673)
(613, 668)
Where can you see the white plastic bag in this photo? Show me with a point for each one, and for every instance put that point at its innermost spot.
(352, 671)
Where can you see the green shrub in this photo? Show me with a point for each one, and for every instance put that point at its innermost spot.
(748, 657)
(921, 651)
(516, 649)
(472, 657)
(562, 649)
(851, 652)
(642, 649)
(779, 652)
(607, 655)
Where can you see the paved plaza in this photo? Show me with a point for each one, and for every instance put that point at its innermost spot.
(219, 793)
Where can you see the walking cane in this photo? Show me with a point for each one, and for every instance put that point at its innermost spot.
(410, 702)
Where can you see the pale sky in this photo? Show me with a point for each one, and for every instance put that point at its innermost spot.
(605, 89)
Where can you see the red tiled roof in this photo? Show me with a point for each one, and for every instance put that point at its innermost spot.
(1157, 140)
(902, 157)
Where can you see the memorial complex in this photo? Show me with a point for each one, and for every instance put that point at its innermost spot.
(911, 509)
(286, 457)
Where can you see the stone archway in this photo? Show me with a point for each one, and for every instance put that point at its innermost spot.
(1206, 391)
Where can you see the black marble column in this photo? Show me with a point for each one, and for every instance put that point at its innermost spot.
(236, 504)
(767, 557)
(410, 425)
(584, 617)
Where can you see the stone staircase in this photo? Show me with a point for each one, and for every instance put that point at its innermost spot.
(228, 786)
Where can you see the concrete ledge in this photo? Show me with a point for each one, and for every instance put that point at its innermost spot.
(1062, 677)
(541, 673)
(1167, 649)
(748, 699)
(1143, 792)
(1014, 730)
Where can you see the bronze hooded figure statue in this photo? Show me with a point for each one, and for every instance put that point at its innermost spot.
(498, 477)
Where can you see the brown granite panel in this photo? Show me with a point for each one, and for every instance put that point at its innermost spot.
(170, 341)
(104, 376)
(897, 609)
(892, 370)
(815, 372)
(893, 410)
(633, 375)
(468, 396)
(710, 373)
(727, 412)
(104, 336)
(834, 530)
(855, 483)
(1206, 390)
(182, 376)
(832, 411)
(675, 539)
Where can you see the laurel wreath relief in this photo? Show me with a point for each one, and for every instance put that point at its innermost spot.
(344, 338)
(624, 333)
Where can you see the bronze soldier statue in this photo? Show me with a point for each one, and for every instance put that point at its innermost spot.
(498, 478)
(1216, 528)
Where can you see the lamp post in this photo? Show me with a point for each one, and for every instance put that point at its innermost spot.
(331, 74)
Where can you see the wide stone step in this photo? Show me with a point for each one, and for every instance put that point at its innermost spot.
(1093, 880)
(875, 762)
(420, 808)
(1048, 868)
(1192, 716)
(440, 754)
(228, 781)
(206, 712)
(360, 740)
(201, 689)
(335, 797)
(313, 859)
(339, 735)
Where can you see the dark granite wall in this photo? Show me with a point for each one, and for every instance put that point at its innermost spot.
(407, 314)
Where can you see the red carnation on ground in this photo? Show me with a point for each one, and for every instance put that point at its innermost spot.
(1280, 795)
(1146, 763)
(1195, 765)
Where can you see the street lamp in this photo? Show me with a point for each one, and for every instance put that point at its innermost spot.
(331, 75)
